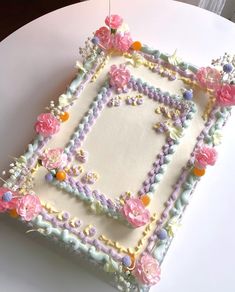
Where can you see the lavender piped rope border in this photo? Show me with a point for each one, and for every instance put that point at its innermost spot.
(39, 142)
(83, 191)
(181, 180)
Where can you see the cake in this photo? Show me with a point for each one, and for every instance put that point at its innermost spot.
(116, 159)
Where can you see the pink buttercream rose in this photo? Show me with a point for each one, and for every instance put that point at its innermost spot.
(47, 125)
(104, 36)
(114, 21)
(205, 156)
(147, 270)
(28, 207)
(208, 77)
(122, 41)
(225, 95)
(135, 212)
(9, 204)
(53, 158)
(119, 76)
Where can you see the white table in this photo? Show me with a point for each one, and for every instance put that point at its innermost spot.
(36, 64)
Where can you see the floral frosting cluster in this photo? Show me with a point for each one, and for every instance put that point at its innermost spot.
(119, 76)
(135, 212)
(147, 270)
(47, 124)
(211, 78)
(53, 158)
(25, 206)
(204, 156)
(114, 36)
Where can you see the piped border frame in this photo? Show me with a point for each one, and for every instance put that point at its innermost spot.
(83, 192)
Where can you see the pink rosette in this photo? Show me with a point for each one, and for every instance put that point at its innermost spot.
(119, 76)
(47, 125)
(208, 77)
(104, 36)
(28, 207)
(205, 156)
(225, 95)
(6, 206)
(122, 42)
(53, 158)
(147, 270)
(135, 212)
(114, 21)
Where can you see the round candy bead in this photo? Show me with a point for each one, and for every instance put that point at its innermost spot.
(60, 175)
(126, 261)
(162, 234)
(145, 200)
(95, 40)
(188, 95)
(132, 265)
(49, 177)
(228, 68)
(7, 196)
(136, 46)
(172, 77)
(64, 117)
(199, 171)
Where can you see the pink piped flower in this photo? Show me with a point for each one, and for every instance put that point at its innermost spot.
(104, 36)
(147, 270)
(225, 95)
(135, 212)
(6, 205)
(47, 125)
(28, 207)
(114, 21)
(208, 77)
(53, 158)
(122, 41)
(205, 156)
(119, 76)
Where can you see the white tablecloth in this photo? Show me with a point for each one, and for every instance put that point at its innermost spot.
(36, 64)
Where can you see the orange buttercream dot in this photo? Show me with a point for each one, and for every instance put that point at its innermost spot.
(145, 200)
(64, 117)
(136, 46)
(132, 257)
(60, 175)
(13, 213)
(199, 171)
